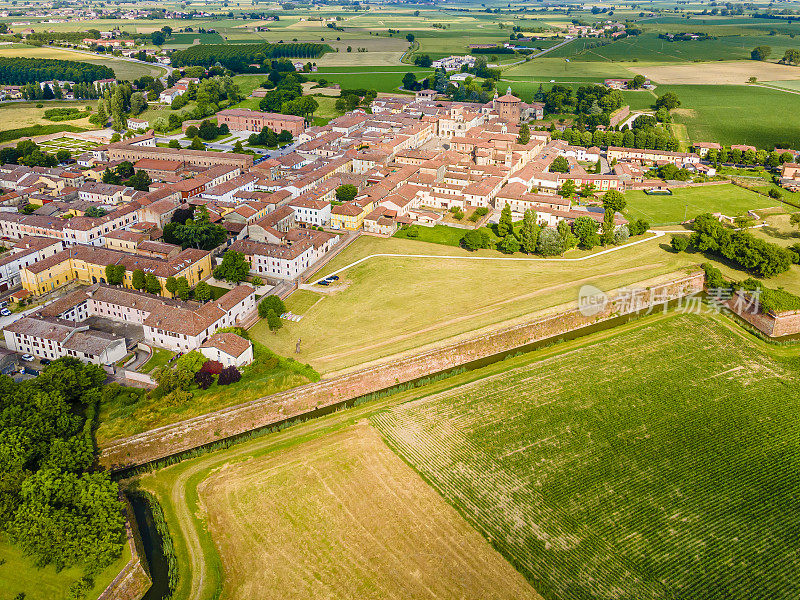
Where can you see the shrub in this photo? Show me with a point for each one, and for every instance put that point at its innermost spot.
(229, 375)
(212, 367)
(203, 379)
(412, 231)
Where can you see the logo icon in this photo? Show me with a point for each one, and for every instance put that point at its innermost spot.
(591, 300)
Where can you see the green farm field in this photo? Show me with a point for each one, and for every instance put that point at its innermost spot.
(715, 113)
(687, 203)
(661, 463)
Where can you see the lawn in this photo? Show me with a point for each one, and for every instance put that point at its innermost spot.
(687, 203)
(343, 517)
(661, 463)
(387, 305)
(20, 578)
(158, 359)
(377, 80)
(714, 113)
(441, 234)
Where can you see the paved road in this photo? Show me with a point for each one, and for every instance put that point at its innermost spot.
(163, 78)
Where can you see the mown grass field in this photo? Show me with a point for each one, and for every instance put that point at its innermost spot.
(20, 578)
(661, 463)
(343, 517)
(387, 305)
(687, 203)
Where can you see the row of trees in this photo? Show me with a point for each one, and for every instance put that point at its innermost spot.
(241, 57)
(53, 504)
(27, 153)
(269, 138)
(748, 157)
(17, 70)
(531, 238)
(653, 138)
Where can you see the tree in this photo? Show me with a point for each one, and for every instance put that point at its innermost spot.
(152, 284)
(140, 181)
(668, 100)
(680, 243)
(567, 189)
(559, 165)
(409, 81)
(125, 169)
(157, 37)
(138, 103)
(529, 233)
(474, 240)
(550, 242)
(234, 267)
(585, 229)
(524, 134)
(637, 82)
(115, 274)
(197, 144)
(614, 201)
(273, 320)
(202, 292)
(111, 177)
(509, 244)
(192, 131)
(410, 38)
(95, 212)
(63, 155)
(346, 192)
(794, 220)
(228, 376)
(273, 303)
(760, 52)
(191, 362)
(791, 56)
(138, 279)
(207, 130)
(171, 284)
(505, 226)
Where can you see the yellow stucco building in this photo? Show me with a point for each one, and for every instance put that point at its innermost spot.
(88, 265)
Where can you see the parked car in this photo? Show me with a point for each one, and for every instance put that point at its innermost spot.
(45, 361)
(27, 358)
(5, 312)
(323, 282)
(334, 277)
(3, 304)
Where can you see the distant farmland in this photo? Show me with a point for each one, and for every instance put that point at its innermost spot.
(661, 463)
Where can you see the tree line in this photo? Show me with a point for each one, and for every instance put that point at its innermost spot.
(242, 57)
(18, 71)
(54, 504)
